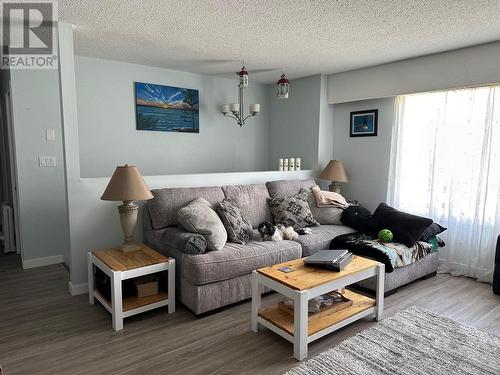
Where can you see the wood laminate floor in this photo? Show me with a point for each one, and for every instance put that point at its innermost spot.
(43, 330)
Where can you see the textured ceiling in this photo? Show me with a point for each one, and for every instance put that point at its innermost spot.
(304, 36)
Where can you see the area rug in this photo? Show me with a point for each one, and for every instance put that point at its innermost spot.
(413, 341)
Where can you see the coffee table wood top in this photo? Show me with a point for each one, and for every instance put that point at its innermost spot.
(117, 260)
(304, 278)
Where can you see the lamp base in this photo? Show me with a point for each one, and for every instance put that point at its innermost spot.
(335, 187)
(128, 218)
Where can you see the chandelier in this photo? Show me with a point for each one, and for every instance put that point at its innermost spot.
(236, 110)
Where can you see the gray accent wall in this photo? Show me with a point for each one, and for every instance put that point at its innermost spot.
(107, 125)
(366, 159)
(295, 123)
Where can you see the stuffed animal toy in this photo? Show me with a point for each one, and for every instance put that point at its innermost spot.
(270, 232)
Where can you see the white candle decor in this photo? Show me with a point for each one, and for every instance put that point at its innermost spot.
(285, 164)
(298, 162)
(280, 167)
(291, 164)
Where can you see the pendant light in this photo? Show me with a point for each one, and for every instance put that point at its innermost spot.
(283, 87)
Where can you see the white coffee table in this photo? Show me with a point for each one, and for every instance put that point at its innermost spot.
(304, 283)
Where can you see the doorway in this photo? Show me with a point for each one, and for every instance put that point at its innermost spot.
(10, 244)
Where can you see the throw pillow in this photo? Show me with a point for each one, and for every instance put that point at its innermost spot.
(407, 228)
(432, 230)
(292, 211)
(199, 217)
(327, 215)
(359, 218)
(186, 242)
(238, 228)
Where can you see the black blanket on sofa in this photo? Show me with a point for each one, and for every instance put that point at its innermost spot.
(392, 254)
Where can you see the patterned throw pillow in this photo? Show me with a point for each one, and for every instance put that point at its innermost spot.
(237, 226)
(292, 211)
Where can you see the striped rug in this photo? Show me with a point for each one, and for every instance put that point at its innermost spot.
(413, 341)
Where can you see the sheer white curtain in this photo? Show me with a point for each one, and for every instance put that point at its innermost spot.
(445, 164)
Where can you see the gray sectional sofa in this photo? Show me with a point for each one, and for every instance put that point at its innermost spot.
(218, 278)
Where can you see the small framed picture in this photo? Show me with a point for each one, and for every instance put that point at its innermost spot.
(364, 123)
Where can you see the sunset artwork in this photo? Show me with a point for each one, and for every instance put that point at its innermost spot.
(167, 108)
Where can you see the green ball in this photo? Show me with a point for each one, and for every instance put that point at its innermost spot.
(385, 235)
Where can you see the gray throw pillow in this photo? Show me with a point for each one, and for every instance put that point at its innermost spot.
(292, 211)
(199, 217)
(238, 228)
(325, 215)
(184, 241)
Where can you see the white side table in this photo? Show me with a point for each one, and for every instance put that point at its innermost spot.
(121, 266)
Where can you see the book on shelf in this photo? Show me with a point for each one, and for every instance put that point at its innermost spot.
(320, 306)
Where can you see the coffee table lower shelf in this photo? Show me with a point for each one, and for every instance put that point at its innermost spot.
(361, 305)
(136, 305)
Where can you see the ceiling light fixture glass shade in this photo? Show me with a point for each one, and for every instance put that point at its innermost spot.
(236, 110)
(283, 87)
(243, 77)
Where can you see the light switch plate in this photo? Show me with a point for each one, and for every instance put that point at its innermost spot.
(46, 161)
(50, 134)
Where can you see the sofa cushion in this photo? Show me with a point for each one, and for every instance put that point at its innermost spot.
(321, 237)
(163, 208)
(285, 188)
(324, 215)
(292, 211)
(359, 218)
(252, 201)
(199, 217)
(236, 260)
(237, 226)
(431, 231)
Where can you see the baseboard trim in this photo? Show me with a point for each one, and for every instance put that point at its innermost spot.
(78, 289)
(40, 262)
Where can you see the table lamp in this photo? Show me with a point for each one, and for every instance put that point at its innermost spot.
(335, 173)
(127, 185)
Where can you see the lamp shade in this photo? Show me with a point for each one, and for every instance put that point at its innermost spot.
(334, 171)
(126, 184)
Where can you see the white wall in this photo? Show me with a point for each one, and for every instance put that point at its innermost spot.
(107, 125)
(42, 206)
(366, 159)
(295, 123)
(471, 66)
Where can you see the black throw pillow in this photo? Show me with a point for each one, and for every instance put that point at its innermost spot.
(432, 230)
(406, 228)
(359, 218)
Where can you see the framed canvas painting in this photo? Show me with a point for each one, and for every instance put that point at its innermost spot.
(166, 108)
(364, 123)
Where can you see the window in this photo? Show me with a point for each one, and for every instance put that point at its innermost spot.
(445, 164)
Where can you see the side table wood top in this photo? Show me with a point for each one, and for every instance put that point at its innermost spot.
(116, 260)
